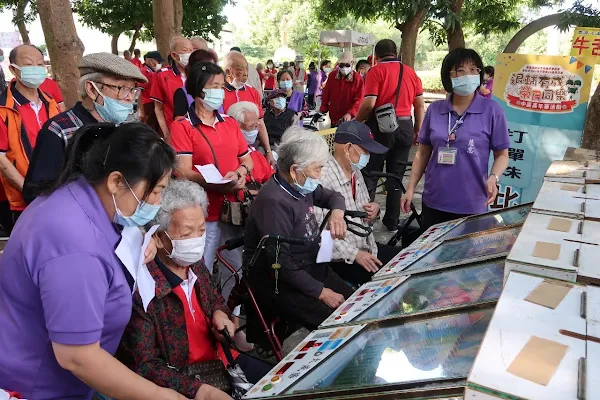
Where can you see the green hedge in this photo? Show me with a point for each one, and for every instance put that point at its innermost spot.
(431, 81)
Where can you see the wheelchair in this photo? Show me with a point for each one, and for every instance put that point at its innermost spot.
(274, 327)
(409, 229)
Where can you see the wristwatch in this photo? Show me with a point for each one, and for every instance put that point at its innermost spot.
(495, 176)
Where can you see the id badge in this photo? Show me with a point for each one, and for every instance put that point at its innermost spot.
(447, 156)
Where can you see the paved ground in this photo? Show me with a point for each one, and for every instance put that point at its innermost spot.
(381, 234)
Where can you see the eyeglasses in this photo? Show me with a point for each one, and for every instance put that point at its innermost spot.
(123, 92)
(345, 65)
(466, 71)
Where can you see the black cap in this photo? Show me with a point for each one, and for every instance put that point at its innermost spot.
(155, 55)
(360, 134)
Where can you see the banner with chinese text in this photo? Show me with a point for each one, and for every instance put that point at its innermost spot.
(545, 100)
(586, 42)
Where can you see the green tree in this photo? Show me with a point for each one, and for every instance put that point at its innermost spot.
(24, 12)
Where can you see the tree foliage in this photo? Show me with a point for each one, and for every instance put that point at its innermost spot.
(580, 14)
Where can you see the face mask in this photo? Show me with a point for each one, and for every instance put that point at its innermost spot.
(327, 70)
(158, 67)
(31, 76)
(213, 98)
(285, 85)
(309, 186)
(300, 65)
(237, 84)
(269, 66)
(279, 103)
(362, 161)
(187, 251)
(345, 71)
(250, 135)
(1, 58)
(113, 110)
(184, 58)
(465, 85)
(143, 214)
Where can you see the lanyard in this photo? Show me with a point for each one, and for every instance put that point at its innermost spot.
(452, 131)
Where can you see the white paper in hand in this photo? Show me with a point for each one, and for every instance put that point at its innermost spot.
(211, 174)
(326, 251)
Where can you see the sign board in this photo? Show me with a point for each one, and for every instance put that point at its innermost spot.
(8, 40)
(586, 42)
(545, 100)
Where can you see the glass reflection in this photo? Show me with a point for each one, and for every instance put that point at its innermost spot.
(433, 349)
(450, 288)
(496, 220)
(485, 244)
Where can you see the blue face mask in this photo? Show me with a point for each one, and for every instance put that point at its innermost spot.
(250, 135)
(113, 110)
(362, 161)
(31, 76)
(213, 98)
(285, 85)
(310, 185)
(144, 213)
(465, 85)
(1, 58)
(279, 103)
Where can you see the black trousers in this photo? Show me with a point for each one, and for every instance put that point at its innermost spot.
(399, 144)
(431, 216)
(355, 273)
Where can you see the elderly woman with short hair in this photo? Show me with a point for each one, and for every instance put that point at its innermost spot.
(307, 292)
(246, 114)
(182, 323)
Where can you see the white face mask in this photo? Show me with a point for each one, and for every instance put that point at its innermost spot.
(345, 71)
(158, 67)
(237, 84)
(187, 251)
(250, 135)
(184, 58)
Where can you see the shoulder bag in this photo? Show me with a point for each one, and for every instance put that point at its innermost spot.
(386, 113)
(232, 212)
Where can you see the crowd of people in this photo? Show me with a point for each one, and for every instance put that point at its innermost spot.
(80, 183)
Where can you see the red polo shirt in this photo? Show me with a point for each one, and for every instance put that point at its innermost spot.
(226, 140)
(270, 83)
(146, 87)
(51, 87)
(137, 62)
(382, 81)
(165, 83)
(247, 93)
(342, 95)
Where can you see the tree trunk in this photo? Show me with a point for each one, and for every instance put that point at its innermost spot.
(591, 128)
(114, 43)
(64, 46)
(134, 39)
(530, 29)
(178, 15)
(410, 31)
(456, 37)
(20, 20)
(164, 24)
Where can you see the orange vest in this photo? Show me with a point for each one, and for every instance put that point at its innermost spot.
(17, 153)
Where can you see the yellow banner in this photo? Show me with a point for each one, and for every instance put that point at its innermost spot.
(586, 42)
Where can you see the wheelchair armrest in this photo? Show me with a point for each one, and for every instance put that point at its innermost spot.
(234, 243)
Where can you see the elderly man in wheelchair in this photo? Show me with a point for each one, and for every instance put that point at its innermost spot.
(282, 237)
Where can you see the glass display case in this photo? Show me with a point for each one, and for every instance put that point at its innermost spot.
(422, 353)
(473, 248)
(441, 290)
(484, 222)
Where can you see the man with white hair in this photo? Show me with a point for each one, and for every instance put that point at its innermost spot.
(168, 80)
(343, 92)
(253, 77)
(246, 114)
(199, 43)
(237, 89)
(108, 88)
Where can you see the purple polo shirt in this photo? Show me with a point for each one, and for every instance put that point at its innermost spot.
(60, 281)
(461, 188)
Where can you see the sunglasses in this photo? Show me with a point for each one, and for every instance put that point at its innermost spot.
(345, 65)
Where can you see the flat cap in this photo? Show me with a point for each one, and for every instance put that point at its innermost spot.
(276, 93)
(110, 64)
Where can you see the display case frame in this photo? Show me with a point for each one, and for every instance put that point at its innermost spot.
(424, 314)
